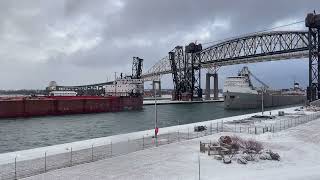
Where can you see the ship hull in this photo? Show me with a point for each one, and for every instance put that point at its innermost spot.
(43, 106)
(237, 100)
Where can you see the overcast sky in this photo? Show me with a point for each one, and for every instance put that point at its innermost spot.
(80, 41)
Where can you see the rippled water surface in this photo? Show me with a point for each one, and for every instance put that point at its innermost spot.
(25, 133)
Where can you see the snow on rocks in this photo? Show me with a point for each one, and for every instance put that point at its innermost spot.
(226, 160)
(242, 160)
(265, 156)
(248, 157)
(181, 160)
(242, 150)
(217, 157)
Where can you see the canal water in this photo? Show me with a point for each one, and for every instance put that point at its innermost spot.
(26, 133)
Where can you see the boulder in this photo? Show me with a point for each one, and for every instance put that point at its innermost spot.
(242, 160)
(263, 156)
(248, 157)
(268, 157)
(274, 156)
(217, 157)
(225, 140)
(226, 160)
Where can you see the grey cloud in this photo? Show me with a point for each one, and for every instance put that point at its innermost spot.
(49, 40)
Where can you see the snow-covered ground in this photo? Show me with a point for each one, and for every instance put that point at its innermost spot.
(23, 155)
(298, 147)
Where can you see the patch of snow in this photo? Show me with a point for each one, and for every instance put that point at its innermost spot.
(79, 145)
(298, 147)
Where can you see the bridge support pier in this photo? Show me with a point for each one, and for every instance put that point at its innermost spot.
(215, 86)
(154, 87)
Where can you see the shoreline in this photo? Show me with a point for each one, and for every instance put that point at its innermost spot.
(85, 144)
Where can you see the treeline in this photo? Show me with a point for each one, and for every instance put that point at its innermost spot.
(23, 92)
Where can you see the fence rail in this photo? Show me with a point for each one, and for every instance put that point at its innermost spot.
(20, 169)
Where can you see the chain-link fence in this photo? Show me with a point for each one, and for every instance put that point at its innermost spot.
(19, 169)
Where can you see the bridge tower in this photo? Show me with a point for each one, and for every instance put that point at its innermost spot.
(185, 67)
(176, 58)
(312, 21)
(137, 68)
(193, 70)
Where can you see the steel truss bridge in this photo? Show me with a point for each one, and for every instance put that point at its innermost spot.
(260, 47)
(185, 63)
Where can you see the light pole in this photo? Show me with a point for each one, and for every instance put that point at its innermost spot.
(262, 106)
(155, 114)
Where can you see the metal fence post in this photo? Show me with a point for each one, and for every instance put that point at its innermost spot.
(45, 161)
(92, 152)
(143, 142)
(15, 168)
(178, 136)
(222, 126)
(255, 130)
(71, 156)
(284, 125)
(111, 148)
(217, 126)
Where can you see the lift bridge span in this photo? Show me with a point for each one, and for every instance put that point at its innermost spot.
(260, 47)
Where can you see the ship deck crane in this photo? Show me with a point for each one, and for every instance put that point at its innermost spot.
(257, 79)
(263, 88)
(246, 72)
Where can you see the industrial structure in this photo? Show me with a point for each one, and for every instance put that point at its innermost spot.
(97, 89)
(185, 63)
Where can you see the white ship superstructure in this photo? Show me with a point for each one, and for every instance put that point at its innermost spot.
(239, 84)
(124, 87)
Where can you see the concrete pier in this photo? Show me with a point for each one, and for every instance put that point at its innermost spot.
(215, 86)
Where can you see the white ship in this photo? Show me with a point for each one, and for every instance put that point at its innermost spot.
(239, 93)
(125, 87)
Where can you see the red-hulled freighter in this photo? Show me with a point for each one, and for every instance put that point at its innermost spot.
(123, 94)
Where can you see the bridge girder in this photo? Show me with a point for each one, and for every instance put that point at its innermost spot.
(250, 47)
(259, 47)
